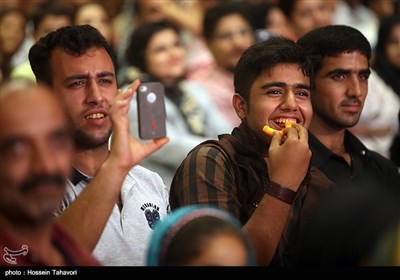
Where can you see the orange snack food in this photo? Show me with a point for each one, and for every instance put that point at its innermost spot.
(270, 131)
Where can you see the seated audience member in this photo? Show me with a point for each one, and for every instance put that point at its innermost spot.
(269, 20)
(45, 18)
(199, 236)
(305, 15)
(156, 51)
(387, 53)
(378, 124)
(96, 14)
(265, 181)
(115, 213)
(228, 32)
(340, 55)
(36, 152)
(12, 34)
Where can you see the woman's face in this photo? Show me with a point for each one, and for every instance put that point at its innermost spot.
(95, 15)
(12, 33)
(165, 56)
(392, 47)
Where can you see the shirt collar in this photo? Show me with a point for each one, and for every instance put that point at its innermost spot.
(77, 176)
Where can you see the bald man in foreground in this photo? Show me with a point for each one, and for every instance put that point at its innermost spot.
(35, 150)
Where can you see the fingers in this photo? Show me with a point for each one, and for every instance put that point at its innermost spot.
(297, 131)
(276, 139)
(130, 90)
(159, 142)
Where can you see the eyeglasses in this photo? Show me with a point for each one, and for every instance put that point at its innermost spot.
(227, 36)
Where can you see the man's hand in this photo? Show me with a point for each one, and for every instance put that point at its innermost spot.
(127, 151)
(289, 159)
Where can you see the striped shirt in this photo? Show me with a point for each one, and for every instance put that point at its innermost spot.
(231, 173)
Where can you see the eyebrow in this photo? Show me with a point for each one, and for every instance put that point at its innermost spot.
(86, 75)
(281, 84)
(345, 71)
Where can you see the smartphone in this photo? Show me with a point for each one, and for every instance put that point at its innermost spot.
(151, 110)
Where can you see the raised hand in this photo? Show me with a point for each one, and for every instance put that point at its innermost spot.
(125, 149)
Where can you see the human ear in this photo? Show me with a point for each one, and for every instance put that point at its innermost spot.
(240, 105)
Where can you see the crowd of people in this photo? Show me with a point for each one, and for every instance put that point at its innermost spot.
(78, 187)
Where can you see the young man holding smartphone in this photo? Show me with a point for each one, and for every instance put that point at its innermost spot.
(116, 222)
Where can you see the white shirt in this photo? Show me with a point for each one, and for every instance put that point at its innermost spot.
(125, 238)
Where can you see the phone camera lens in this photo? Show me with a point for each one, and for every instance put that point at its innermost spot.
(143, 88)
(151, 97)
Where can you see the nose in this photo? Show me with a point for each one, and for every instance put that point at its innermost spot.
(241, 38)
(354, 87)
(289, 102)
(94, 94)
(43, 161)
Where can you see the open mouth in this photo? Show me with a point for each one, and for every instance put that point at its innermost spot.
(95, 116)
(281, 122)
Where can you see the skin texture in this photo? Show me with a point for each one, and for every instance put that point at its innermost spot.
(310, 14)
(50, 23)
(341, 87)
(222, 250)
(392, 48)
(87, 87)
(35, 151)
(34, 142)
(226, 48)
(283, 92)
(12, 32)
(95, 15)
(165, 56)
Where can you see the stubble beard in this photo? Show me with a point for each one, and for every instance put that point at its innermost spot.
(88, 142)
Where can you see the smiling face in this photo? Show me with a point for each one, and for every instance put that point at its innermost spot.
(341, 87)
(165, 56)
(35, 151)
(231, 37)
(276, 96)
(87, 85)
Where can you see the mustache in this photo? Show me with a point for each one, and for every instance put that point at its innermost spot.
(34, 182)
(351, 101)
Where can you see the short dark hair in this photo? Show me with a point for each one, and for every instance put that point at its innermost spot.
(263, 56)
(75, 40)
(214, 14)
(135, 53)
(332, 40)
(49, 9)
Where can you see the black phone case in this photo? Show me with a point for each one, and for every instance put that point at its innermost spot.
(151, 110)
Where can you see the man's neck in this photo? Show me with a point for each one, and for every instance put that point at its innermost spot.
(332, 138)
(89, 161)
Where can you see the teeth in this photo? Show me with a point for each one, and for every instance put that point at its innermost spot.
(283, 120)
(95, 116)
